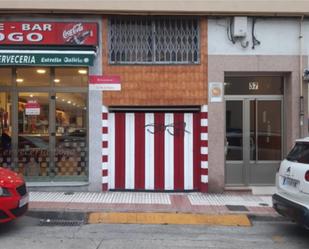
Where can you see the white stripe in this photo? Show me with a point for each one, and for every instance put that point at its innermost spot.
(104, 123)
(104, 109)
(105, 151)
(204, 165)
(204, 108)
(149, 152)
(169, 153)
(111, 146)
(204, 122)
(188, 152)
(105, 137)
(204, 150)
(204, 136)
(130, 147)
(105, 179)
(105, 165)
(204, 179)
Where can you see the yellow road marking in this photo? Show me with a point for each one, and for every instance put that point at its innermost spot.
(169, 218)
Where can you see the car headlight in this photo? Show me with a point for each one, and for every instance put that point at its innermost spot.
(4, 192)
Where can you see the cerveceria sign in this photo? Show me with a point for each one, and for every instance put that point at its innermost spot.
(82, 58)
(48, 33)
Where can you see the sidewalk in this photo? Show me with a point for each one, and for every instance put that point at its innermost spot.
(97, 205)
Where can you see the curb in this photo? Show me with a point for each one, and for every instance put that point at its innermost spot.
(267, 218)
(169, 219)
(175, 218)
(58, 215)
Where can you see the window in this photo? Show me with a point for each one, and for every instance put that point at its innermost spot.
(300, 153)
(142, 40)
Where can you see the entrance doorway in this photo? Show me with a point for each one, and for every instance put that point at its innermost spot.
(46, 120)
(254, 134)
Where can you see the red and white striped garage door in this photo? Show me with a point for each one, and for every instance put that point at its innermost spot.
(153, 151)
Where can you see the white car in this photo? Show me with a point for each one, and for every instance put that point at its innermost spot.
(292, 196)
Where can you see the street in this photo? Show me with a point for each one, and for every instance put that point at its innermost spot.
(28, 233)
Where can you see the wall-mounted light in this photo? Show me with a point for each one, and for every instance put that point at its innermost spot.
(56, 80)
(31, 95)
(41, 71)
(19, 80)
(82, 71)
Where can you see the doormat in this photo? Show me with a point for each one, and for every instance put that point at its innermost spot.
(239, 208)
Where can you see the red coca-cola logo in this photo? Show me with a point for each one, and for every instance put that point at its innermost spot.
(76, 34)
(77, 28)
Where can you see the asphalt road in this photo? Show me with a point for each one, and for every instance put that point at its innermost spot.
(27, 233)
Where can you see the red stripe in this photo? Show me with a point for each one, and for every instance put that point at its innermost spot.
(139, 151)
(104, 159)
(204, 158)
(178, 151)
(105, 144)
(204, 129)
(159, 132)
(196, 150)
(204, 187)
(104, 115)
(104, 172)
(204, 143)
(204, 115)
(204, 172)
(104, 130)
(104, 187)
(120, 150)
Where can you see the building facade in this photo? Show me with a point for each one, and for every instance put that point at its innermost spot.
(202, 102)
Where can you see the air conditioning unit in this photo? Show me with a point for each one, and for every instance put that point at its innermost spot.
(240, 26)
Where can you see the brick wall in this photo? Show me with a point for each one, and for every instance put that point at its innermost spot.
(150, 85)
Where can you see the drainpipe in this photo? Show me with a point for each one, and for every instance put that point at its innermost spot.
(301, 98)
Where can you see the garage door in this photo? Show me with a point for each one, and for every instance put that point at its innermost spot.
(153, 151)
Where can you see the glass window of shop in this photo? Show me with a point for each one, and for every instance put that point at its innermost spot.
(43, 122)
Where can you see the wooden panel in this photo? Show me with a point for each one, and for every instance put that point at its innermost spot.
(149, 85)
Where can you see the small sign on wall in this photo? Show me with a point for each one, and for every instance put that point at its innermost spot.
(32, 108)
(104, 83)
(215, 91)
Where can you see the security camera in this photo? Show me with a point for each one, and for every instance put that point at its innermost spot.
(306, 74)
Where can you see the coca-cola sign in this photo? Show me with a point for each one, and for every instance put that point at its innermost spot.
(49, 33)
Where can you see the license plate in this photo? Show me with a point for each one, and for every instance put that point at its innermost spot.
(23, 201)
(290, 182)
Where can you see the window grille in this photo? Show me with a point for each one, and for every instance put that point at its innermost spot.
(142, 40)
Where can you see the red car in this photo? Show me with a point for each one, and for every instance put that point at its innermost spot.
(14, 197)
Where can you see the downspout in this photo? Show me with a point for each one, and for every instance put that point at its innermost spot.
(301, 98)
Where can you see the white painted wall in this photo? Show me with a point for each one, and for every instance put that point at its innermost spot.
(278, 36)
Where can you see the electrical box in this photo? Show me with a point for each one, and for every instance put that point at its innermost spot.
(240, 26)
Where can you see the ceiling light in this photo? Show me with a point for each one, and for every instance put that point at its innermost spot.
(19, 80)
(82, 71)
(31, 95)
(41, 71)
(63, 100)
(69, 102)
(56, 80)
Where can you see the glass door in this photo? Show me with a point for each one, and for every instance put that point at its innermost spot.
(234, 142)
(265, 140)
(33, 153)
(253, 140)
(71, 135)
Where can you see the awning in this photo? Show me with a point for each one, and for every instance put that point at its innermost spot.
(47, 57)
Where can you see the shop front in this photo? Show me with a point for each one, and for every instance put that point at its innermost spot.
(44, 71)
